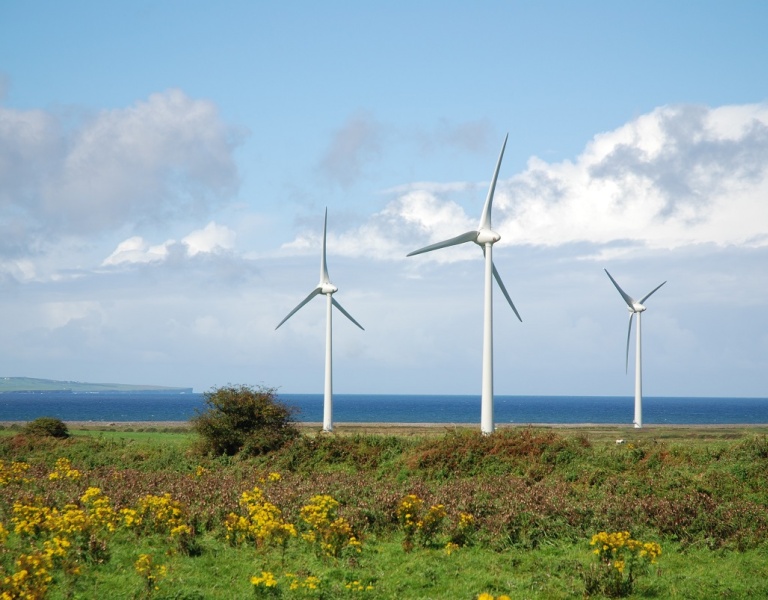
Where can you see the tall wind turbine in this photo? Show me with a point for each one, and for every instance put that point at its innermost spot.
(635, 308)
(484, 237)
(325, 287)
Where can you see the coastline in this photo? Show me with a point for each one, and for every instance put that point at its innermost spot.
(391, 426)
(600, 433)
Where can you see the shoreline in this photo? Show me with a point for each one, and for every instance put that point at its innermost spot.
(429, 425)
(607, 433)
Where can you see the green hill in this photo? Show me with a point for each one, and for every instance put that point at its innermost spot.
(30, 384)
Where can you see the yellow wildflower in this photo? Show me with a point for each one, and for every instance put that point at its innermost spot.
(267, 580)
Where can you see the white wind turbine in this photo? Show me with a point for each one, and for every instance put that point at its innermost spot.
(635, 308)
(484, 237)
(325, 287)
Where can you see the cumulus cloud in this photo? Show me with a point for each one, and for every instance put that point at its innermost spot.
(136, 250)
(162, 157)
(678, 176)
(210, 239)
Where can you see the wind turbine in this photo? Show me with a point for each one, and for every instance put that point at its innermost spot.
(325, 287)
(484, 237)
(635, 308)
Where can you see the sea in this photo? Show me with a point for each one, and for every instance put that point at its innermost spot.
(390, 408)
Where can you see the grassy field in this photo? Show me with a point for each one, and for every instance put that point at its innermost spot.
(386, 512)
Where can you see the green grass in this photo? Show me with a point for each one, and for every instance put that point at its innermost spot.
(548, 573)
(537, 496)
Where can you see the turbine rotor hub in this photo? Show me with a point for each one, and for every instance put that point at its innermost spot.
(328, 288)
(487, 236)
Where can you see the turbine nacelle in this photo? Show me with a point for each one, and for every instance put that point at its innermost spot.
(636, 308)
(326, 287)
(487, 236)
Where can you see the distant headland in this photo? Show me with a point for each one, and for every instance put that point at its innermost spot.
(30, 384)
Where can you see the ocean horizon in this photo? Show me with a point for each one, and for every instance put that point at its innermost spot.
(395, 408)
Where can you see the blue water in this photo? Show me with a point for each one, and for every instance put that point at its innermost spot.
(362, 408)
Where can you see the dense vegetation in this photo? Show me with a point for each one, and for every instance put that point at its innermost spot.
(243, 419)
(451, 516)
(47, 426)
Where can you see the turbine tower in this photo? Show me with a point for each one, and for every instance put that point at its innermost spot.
(635, 308)
(484, 237)
(325, 287)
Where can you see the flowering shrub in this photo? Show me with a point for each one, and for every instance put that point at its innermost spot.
(99, 509)
(265, 585)
(30, 579)
(309, 583)
(463, 530)
(450, 548)
(487, 596)
(329, 533)
(621, 560)
(408, 516)
(268, 585)
(359, 586)
(150, 572)
(13, 473)
(263, 522)
(63, 470)
(29, 520)
(430, 523)
(416, 524)
(160, 514)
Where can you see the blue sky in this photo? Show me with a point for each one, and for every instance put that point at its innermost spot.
(164, 168)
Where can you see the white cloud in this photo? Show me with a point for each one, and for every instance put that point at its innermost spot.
(167, 156)
(417, 215)
(677, 176)
(210, 239)
(137, 250)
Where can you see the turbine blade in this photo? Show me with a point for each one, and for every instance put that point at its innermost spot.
(627, 298)
(648, 295)
(312, 294)
(629, 332)
(345, 313)
(469, 236)
(504, 291)
(485, 219)
(323, 263)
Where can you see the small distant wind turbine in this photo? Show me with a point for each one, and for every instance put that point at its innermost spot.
(484, 237)
(325, 287)
(635, 308)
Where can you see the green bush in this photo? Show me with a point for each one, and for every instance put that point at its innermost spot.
(244, 419)
(47, 427)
